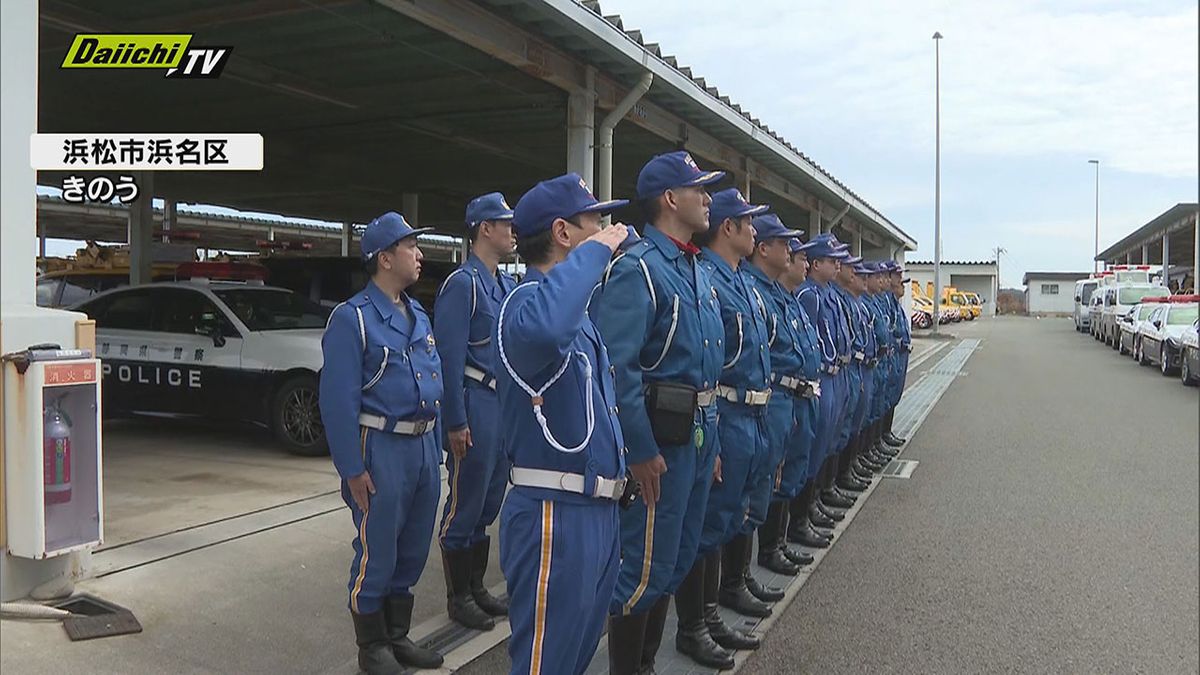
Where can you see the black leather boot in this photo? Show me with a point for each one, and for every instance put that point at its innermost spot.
(460, 603)
(798, 558)
(767, 594)
(626, 636)
(889, 437)
(489, 603)
(692, 637)
(722, 633)
(836, 515)
(851, 483)
(733, 593)
(836, 499)
(397, 611)
(656, 619)
(374, 652)
(769, 540)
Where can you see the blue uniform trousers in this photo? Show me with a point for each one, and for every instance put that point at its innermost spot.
(659, 543)
(864, 400)
(883, 373)
(743, 441)
(477, 482)
(795, 470)
(560, 559)
(830, 411)
(854, 379)
(898, 385)
(394, 533)
(781, 418)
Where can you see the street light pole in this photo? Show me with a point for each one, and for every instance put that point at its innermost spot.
(1096, 263)
(937, 182)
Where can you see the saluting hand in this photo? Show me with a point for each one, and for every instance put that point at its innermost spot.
(611, 236)
(459, 442)
(646, 474)
(361, 488)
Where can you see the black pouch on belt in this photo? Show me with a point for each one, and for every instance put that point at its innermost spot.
(672, 411)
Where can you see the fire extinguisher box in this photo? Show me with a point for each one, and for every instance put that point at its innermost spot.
(53, 474)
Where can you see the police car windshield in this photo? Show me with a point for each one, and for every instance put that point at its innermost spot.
(1132, 296)
(1144, 311)
(262, 309)
(1182, 316)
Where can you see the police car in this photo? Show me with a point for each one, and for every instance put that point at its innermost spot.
(1160, 339)
(215, 349)
(1189, 354)
(1130, 324)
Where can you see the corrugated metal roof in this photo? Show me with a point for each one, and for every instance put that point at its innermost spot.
(654, 50)
(1054, 276)
(1153, 229)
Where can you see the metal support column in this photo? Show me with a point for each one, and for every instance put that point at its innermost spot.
(141, 231)
(346, 238)
(1145, 254)
(1166, 266)
(856, 241)
(170, 217)
(814, 222)
(581, 125)
(410, 201)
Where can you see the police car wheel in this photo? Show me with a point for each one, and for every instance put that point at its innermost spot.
(296, 418)
(1164, 362)
(1185, 372)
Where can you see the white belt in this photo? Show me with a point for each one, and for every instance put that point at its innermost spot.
(859, 356)
(477, 375)
(786, 382)
(403, 427)
(751, 398)
(606, 488)
(706, 398)
(844, 360)
(832, 370)
(799, 386)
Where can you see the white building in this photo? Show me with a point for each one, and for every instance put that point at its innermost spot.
(981, 278)
(1050, 293)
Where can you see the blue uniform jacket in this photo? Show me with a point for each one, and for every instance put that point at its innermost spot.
(464, 317)
(813, 298)
(546, 330)
(902, 329)
(658, 314)
(852, 318)
(789, 357)
(883, 319)
(379, 361)
(747, 364)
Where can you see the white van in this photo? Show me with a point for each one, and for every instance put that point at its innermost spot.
(1117, 301)
(1083, 296)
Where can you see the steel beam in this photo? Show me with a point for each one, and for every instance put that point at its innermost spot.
(141, 231)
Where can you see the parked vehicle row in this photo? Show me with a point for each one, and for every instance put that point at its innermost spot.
(1155, 328)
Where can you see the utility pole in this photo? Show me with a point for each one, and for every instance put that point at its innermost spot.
(996, 294)
(937, 182)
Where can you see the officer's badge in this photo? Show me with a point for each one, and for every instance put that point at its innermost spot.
(429, 339)
(687, 159)
(505, 204)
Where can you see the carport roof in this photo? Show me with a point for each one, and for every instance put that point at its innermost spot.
(1054, 276)
(362, 101)
(1174, 220)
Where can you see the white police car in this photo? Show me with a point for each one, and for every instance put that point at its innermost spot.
(1189, 354)
(1161, 338)
(222, 350)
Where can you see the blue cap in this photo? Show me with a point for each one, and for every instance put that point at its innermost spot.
(487, 207)
(561, 197)
(796, 246)
(864, 268)
(672, 170)
(386, 230)
(769, 226)
(853, 261)
(827, 246)
(729, 203)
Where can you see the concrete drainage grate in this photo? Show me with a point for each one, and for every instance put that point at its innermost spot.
(899, 468)
(92, 618)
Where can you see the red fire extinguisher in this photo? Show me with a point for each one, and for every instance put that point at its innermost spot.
(56, 454)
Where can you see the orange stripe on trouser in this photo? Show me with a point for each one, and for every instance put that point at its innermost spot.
(362, 537)
(539, 617)
(647, 557)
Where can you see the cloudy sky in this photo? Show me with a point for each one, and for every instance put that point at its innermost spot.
(1030, 92)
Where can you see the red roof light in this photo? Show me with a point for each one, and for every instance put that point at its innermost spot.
(235, 271)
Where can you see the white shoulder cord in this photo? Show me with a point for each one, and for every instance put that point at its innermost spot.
(536, 396)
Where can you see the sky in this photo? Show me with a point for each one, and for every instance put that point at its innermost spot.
(1030, 91)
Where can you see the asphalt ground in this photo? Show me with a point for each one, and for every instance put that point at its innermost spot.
(1051, 526)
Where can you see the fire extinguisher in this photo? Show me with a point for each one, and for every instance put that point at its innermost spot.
(56, 454)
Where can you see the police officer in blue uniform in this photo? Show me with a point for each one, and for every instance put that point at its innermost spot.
(795, 487)
(559, 537)
(771, 244)
(882, 319)
(380, 393)
(822, 305)
(661, 323)
(902, 333)
(742, 396)
(477, 472)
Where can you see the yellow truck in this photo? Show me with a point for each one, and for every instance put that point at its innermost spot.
(955, 298)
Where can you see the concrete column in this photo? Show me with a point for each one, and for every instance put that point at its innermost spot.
(814, 222)
(1166, 259)
(170, 216)
(270, 233)
(1145, 254)
(581, 130)
(856, 241)
(1129, 258)
(346, 238)
(141, 231)
(410, 202)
